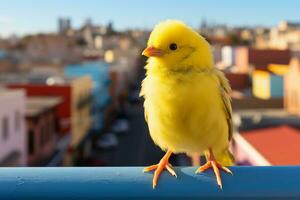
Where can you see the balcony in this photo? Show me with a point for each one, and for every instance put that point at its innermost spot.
(130, 183)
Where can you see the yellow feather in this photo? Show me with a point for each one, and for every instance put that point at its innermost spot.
(187, 104)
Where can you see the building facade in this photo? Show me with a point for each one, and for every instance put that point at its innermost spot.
(277, 145)
(247, 58)
(99, 73)
(267, 85)
(81, 95)
(12, 128)
(75, 105)
(292, 89)
(41, 129)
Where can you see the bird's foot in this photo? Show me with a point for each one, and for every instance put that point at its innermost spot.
(163, 164)
(215, 166)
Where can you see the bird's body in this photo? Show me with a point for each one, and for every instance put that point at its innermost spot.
(185, 111)
(187, 103)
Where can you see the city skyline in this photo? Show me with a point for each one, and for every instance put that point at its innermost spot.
(35, 16)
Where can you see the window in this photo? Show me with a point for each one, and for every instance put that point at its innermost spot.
(43, 134)
(47, 131)
(51, 128)
(31, 142)
(17, 120)
(5, 128)
(294, 100)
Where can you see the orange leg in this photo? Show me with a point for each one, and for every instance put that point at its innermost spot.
(163, 164)
(212, 163)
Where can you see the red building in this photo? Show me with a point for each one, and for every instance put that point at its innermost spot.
(63, 110)
(74, 114)
(238, 81)
(41, 128)
(268, 146)
(260, 58)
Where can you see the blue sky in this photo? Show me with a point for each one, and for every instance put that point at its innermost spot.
(31, 16)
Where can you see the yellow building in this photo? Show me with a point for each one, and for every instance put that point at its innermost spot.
(261, 84)
(269, 84)
(292, 89)
(81, 119)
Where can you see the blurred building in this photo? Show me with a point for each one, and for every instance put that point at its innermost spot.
(42, 129)
(63, 91)
(238, 81)
(268, 146)
(228, 56)
(285, 36)
(247, 58)
(215, 32)
(262, 37)
(119, 82)
(13, 148)
(99, 72)
(74, 113)
(292, 89)
(217, 54)
(64, 24)
(124, 58)
(81, 106)
(267, 85)
(50, 49)
(95, 38)
(7, 63)
(3, 54)
(252, 104)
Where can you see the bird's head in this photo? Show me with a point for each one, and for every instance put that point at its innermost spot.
(176, 46)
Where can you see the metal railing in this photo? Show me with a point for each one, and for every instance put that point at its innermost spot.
(130, 183)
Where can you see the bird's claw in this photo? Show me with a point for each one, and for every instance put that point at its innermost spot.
(158, 169)
(216, 166)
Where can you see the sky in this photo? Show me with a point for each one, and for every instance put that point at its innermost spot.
(32, 16)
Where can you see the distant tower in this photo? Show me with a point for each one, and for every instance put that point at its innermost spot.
(88, 22)
(64, 24)
(110, 28)
(203, 24)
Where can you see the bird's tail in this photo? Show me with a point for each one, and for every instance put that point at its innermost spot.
(225, 158)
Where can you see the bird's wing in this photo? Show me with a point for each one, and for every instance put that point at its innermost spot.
(146, 115)
(225, 95)
(142, 94)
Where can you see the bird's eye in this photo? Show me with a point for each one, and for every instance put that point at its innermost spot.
(173, 46)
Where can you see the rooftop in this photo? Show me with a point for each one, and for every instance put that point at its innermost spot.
(253, 103)
(97, 70)
(279, 145)
(37, 105)
(34, 78)
(7, 94)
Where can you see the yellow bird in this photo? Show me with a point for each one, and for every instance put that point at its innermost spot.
(187, 103)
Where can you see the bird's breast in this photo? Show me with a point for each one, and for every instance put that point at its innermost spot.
(182, 110)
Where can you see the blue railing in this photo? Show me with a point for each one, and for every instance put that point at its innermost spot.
(130, 183)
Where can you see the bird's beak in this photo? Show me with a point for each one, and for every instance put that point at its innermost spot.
(153, 52)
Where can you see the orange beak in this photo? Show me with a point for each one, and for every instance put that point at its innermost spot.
(153, 52)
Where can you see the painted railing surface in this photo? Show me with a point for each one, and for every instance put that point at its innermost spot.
(130, 183)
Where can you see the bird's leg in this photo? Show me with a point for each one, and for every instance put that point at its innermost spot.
(212, 163)
(163, 164)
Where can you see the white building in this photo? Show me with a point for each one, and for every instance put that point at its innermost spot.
(217, 53)
(285, 36)
(13, 145)
(228, 56)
